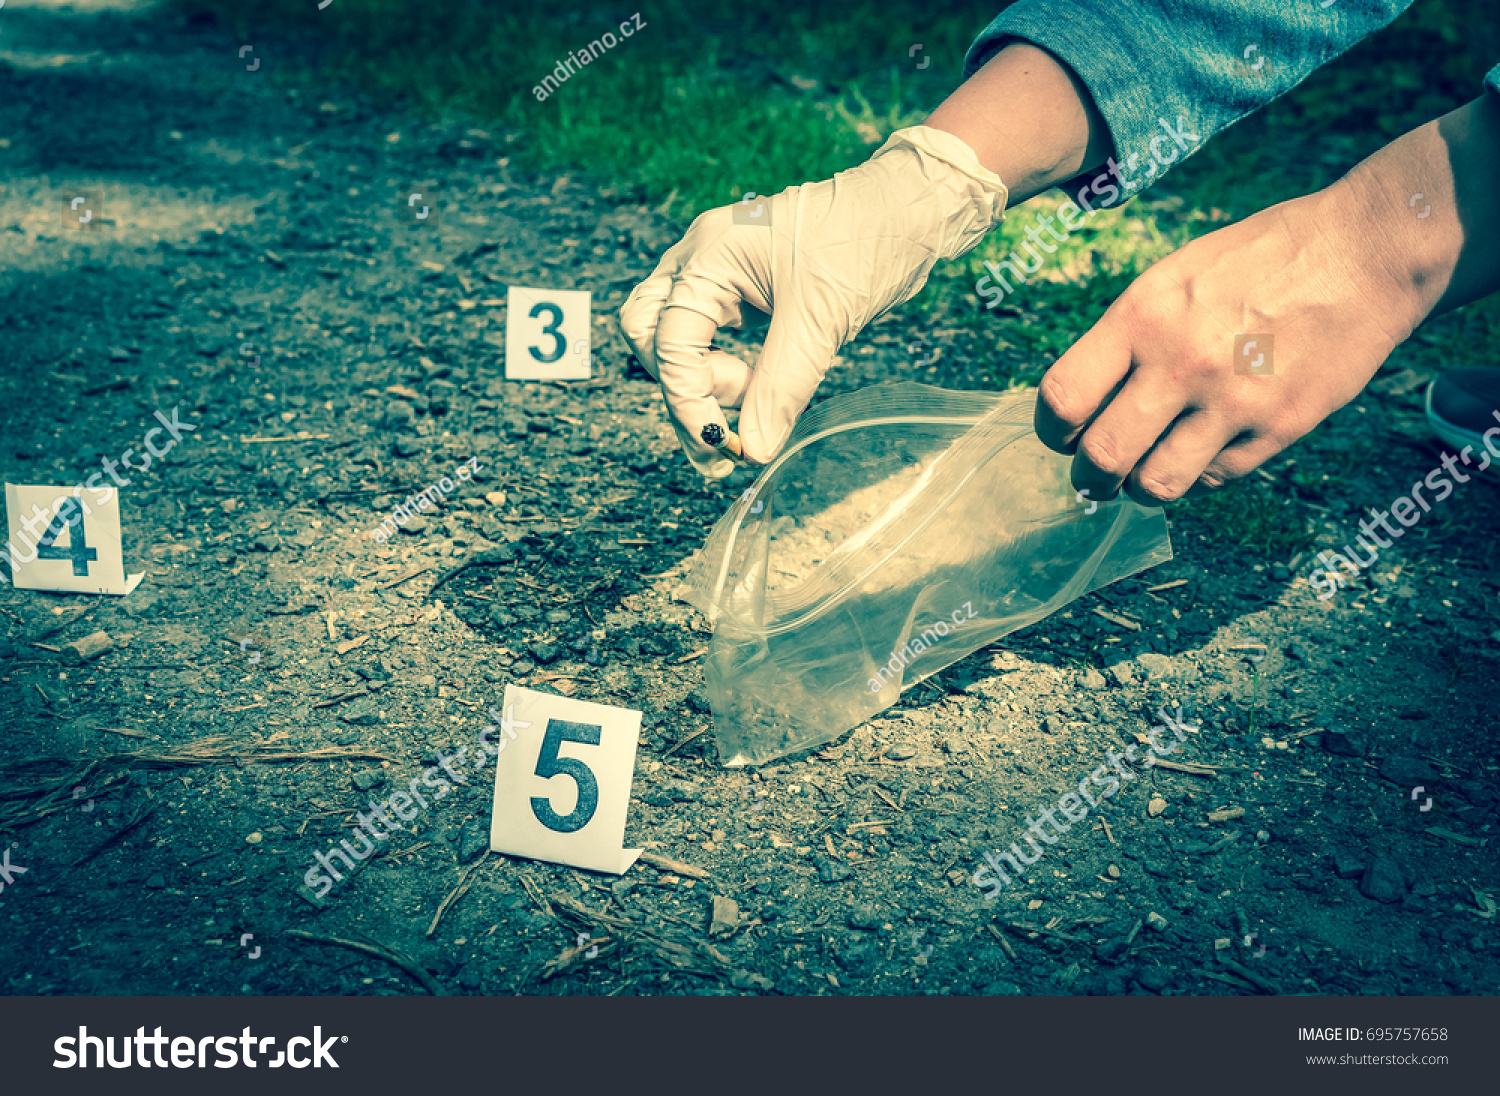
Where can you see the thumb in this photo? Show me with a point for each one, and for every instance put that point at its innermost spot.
(796, 355)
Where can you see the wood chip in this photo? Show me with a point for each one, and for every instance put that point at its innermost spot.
(1004, 943)
(1226, 814)
(1115, 618)
(300, 435)
(1190, 767)
(666, 863)
(459, 891)
(685, 741)
(1038, 930)
(1456, 838)
(1263, 984)
(350, 644)
(361, 691)
(1176, 582)
(406, 577)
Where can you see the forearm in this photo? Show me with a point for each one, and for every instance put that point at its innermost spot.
(1028, 118)
(1424, 205)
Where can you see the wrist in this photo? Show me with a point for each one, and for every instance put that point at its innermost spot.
(1421, 216)
(1028, 118)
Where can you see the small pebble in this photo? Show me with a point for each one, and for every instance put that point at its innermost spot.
(254, 838)
(901, 751)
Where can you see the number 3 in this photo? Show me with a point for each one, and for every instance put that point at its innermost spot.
(559, 344)
(548, 765)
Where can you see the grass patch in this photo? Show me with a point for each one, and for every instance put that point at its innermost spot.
(1255, 515)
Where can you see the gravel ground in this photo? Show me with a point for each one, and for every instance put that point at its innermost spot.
(254, 265)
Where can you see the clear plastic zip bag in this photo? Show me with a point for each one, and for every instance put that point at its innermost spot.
(902, 528)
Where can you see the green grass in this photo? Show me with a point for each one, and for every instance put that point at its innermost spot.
(703, 104)
(1256, 515)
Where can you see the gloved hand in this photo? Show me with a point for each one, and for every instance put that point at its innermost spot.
(828, 258)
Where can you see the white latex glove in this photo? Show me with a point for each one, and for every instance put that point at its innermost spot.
(824, 259)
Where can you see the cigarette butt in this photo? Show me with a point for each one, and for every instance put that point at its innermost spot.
(715, 435)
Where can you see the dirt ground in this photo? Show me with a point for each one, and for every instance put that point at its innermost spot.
(254, 265)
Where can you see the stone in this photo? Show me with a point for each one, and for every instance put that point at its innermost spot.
(1093, 680)
(860, 958)
(1342, 743)
(156, 881)
(89, 647)
(543, 651)
(1122, 673)
(1383, 881)
(396, 414)
(1156, 921)
(1156, 667)
(313, 898)
(1280, 572)
(363, 712)
(254, 838)
(415, 525)
(1055, 724)
(1408, 771)
(724, 917)
(1154, 979)
(366, 779)
(901, 751)
(473, 839)
(864, 917)
(831, 871)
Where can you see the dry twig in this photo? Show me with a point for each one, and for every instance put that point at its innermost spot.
(390, 955)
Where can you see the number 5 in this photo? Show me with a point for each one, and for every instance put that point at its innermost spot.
(548, 765)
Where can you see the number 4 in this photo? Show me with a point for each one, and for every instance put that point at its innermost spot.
(548, 765)
(77, 550)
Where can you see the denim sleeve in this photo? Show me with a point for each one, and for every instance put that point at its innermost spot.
(1492, 80)
(1167, 75)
